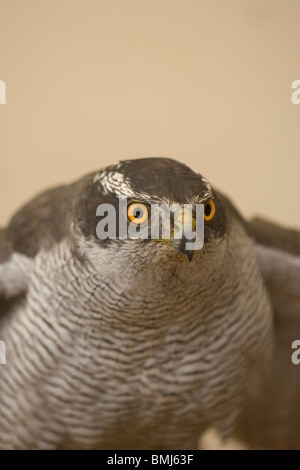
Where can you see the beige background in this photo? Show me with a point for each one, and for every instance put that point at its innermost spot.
(90, 82)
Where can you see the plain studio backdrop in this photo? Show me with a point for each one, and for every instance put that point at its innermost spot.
(90, 82)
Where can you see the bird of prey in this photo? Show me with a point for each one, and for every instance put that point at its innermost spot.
(131, 343)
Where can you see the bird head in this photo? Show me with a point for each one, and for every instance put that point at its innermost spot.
(119, 201)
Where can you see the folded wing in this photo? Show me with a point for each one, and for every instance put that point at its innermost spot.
(273, 421)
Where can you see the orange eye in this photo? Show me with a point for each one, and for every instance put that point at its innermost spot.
(209, 210)
(137, 213)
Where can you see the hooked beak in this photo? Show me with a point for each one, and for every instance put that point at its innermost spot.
(180, 245)
(183, 224)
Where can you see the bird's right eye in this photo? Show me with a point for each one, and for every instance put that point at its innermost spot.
(137, 213)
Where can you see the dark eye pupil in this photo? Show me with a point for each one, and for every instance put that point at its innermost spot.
(207, 209)
(138, 214)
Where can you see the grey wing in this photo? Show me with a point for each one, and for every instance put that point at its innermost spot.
(37, 225)
(273, 421)
(13, 270)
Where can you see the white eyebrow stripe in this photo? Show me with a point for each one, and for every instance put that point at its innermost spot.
(207, 195)
(114, 182)
(208, 192)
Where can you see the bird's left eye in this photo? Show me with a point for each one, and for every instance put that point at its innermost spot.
(209, 210)
(137, 213)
